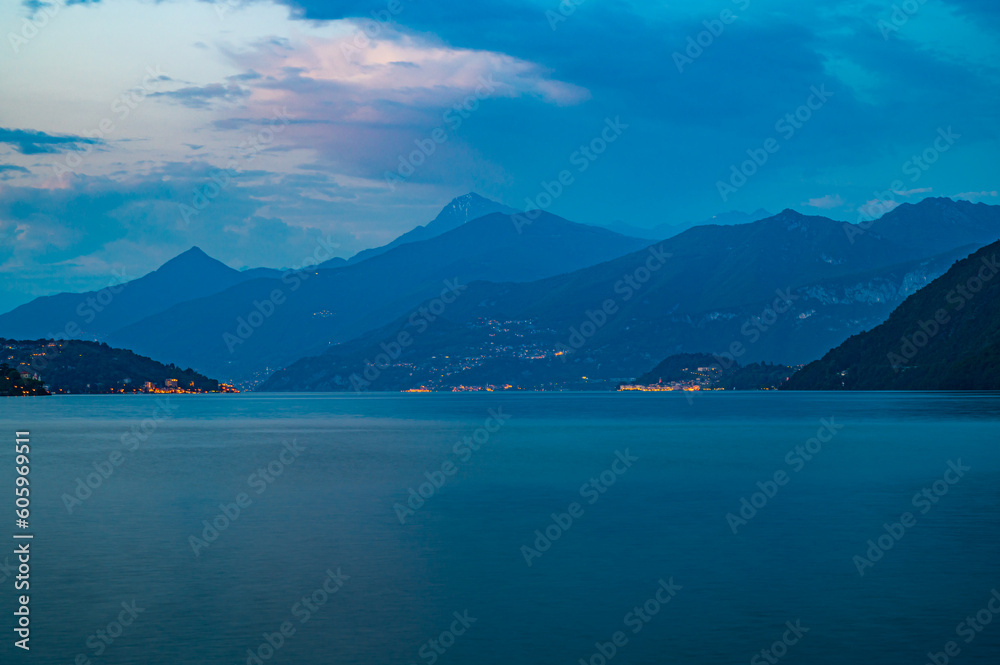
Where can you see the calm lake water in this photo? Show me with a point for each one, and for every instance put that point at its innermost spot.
(647, 552)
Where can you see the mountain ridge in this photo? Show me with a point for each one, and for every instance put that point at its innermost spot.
(190, 274)
(712, 293)
(321, 307)
(458, 211)
(946, 336)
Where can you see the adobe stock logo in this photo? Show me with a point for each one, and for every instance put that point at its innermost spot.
(925, 499)
(787, 126)
(698, 44)
(592, 491)
(30, 27)
(958, 298)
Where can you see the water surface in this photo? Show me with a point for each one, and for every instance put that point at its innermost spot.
(335, 507)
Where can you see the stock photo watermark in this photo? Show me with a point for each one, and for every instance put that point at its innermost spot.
(303, 610)
(592, 491)
(90, 307)
(756, 326)
(779, 648)
(968, 629)
(960, 296)
(925, 499)
(101, 640)
(371, 29)
(883, 200)
(105, 467)
(222, 179)
(420, 319)
(626, 287)
(258, 481)
(697, 44)
(900, 16)
(120, 108)
(263, 310)
(463, 450)
(635, 620)
(431, 650)
(795, 459)
(581, 158)
(34, 24)
(562, 12)
(786, 126)
(451, 120)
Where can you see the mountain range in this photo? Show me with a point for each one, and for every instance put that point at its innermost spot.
(667, 230)
(527, 299)
(944, 337)
(458, 211)
(95, 314)
(786, 288)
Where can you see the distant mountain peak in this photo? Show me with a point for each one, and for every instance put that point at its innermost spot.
(192, 259)
(940, 207)
(458, 211)
(791, 219)
(467, 207)
(469, 198)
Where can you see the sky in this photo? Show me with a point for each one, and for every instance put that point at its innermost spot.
(131, 130)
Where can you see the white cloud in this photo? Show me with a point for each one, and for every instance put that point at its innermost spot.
(912, 192)
(351, 95)
(877, 207)
(826, 202)
(977, 196)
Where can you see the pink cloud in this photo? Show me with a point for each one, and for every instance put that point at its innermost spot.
(911, 192)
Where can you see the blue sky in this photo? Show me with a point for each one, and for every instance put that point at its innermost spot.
(133, 129)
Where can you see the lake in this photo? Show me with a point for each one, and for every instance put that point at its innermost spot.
(484, 528)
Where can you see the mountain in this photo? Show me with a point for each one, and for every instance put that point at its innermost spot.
(785, 289)
(271, 322)
(734, 217)
(664, 231)
(95, 314)
(923, 226)
(13, 384)
(944, 337)
(459, 211)
(76, 366)
(705, 371)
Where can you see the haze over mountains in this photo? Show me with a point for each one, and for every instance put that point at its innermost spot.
(667, 230)
(459, 211)
(315, 309)
(944, 337)
(783, 289)
(95, 314)
(503, 293)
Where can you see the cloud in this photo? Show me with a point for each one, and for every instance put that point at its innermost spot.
(29, 142)
(395, 68)
(826, 202)
(977, 196)
(358, 102)
(200, 97)
(877, 207)
(75, 235)
(912, 192)
(9, 171)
